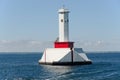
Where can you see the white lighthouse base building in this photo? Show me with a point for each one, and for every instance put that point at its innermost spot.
(64, 56)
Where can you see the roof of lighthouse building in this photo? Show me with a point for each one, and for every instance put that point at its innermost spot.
(63, 10)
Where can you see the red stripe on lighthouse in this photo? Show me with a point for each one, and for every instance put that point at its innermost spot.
(63, 44)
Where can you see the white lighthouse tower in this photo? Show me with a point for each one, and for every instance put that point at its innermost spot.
(64, 52)
(63, 25)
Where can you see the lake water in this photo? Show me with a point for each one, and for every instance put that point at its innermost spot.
(24, 66)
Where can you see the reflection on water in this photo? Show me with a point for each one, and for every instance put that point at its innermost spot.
(56, 72)
(57, 69)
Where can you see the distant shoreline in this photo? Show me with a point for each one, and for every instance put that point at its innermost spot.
(21, 52)
(87, 52)
(99, 52)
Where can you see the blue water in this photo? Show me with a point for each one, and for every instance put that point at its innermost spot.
(24, 66)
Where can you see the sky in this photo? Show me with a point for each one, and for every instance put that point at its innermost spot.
(32, 25)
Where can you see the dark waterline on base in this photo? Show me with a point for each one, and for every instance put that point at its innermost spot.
(66, 63)
(105, 66)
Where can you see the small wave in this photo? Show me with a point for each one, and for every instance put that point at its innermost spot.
(111, 74)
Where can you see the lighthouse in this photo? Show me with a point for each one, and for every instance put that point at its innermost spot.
(64, 52)
(63, 25)
(63, 40)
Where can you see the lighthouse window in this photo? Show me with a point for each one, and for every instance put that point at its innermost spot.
(61, 20)
(67, 20)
